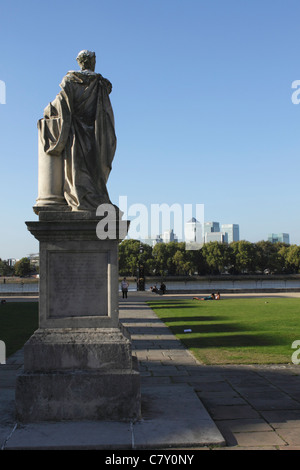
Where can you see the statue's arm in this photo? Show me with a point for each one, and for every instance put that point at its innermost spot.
(51, 110)
(107, 84)
(55, 126)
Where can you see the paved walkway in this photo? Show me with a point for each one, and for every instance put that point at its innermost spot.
(254, 407)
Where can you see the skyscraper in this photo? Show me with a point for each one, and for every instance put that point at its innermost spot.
(232, 232)
(211, 227)
(193, 231)
(169, 236)
(279, 237)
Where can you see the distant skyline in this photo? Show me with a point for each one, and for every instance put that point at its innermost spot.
(204, 96)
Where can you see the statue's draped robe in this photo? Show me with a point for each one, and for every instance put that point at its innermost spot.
(79, 126)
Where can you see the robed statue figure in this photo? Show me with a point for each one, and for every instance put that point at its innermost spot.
(77, 141)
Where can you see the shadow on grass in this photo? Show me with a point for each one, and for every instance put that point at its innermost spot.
(196, 318)
(217, 331)
(240, 335)
(171, 305)
(203, 329)
(236, 340)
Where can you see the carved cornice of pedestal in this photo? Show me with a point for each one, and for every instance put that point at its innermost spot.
(59, 226)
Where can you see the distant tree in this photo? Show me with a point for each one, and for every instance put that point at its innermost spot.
(244, 255)
(269, 256)
(282, 255)
(171, 258)
(213, 257)
(198, 262)
(22, 267)
(130, 257)
(176, 258)
(183, 262)
(5, 269)
(160, 255)
(292, 258)
(217, 256)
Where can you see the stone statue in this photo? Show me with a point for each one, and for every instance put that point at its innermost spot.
(77, 141)
(78, 364)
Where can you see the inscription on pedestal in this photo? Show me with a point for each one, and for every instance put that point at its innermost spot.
(77, 284)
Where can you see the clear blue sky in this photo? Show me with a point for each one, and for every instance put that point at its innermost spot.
(201, 97)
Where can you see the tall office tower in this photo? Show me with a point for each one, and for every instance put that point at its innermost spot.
(232, 232)
(279, 237)
(193, 231)
(169, 236)
(211, 227)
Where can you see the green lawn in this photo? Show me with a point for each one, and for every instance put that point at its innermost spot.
(234, 331)
(18, 320)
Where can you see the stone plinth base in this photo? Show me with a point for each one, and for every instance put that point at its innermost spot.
(78, 365)
(61, 349)
(78, 395)
(77, 374)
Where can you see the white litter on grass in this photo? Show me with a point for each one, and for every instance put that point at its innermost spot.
(187, 331)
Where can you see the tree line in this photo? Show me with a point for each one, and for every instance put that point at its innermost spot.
(173, 259)
(23, 267)
(212, 258)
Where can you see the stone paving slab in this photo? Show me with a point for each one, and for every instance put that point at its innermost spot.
(226, 398)
(169, 421)
(282, 418)
(5, 432)
(245, 425)
(258, 439)
(222, 412)
(290, 435)
(85, 435)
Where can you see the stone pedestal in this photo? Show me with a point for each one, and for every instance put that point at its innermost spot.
(78, 364)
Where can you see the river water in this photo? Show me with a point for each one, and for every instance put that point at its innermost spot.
(203, 285)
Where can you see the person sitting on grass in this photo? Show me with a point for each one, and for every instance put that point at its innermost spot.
(154, 289)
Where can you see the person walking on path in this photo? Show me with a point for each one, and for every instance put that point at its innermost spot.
(124, 287)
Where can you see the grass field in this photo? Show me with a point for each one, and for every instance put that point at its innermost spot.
(234, 331)
(18, 320)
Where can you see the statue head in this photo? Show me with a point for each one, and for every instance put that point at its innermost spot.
(86, 60)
